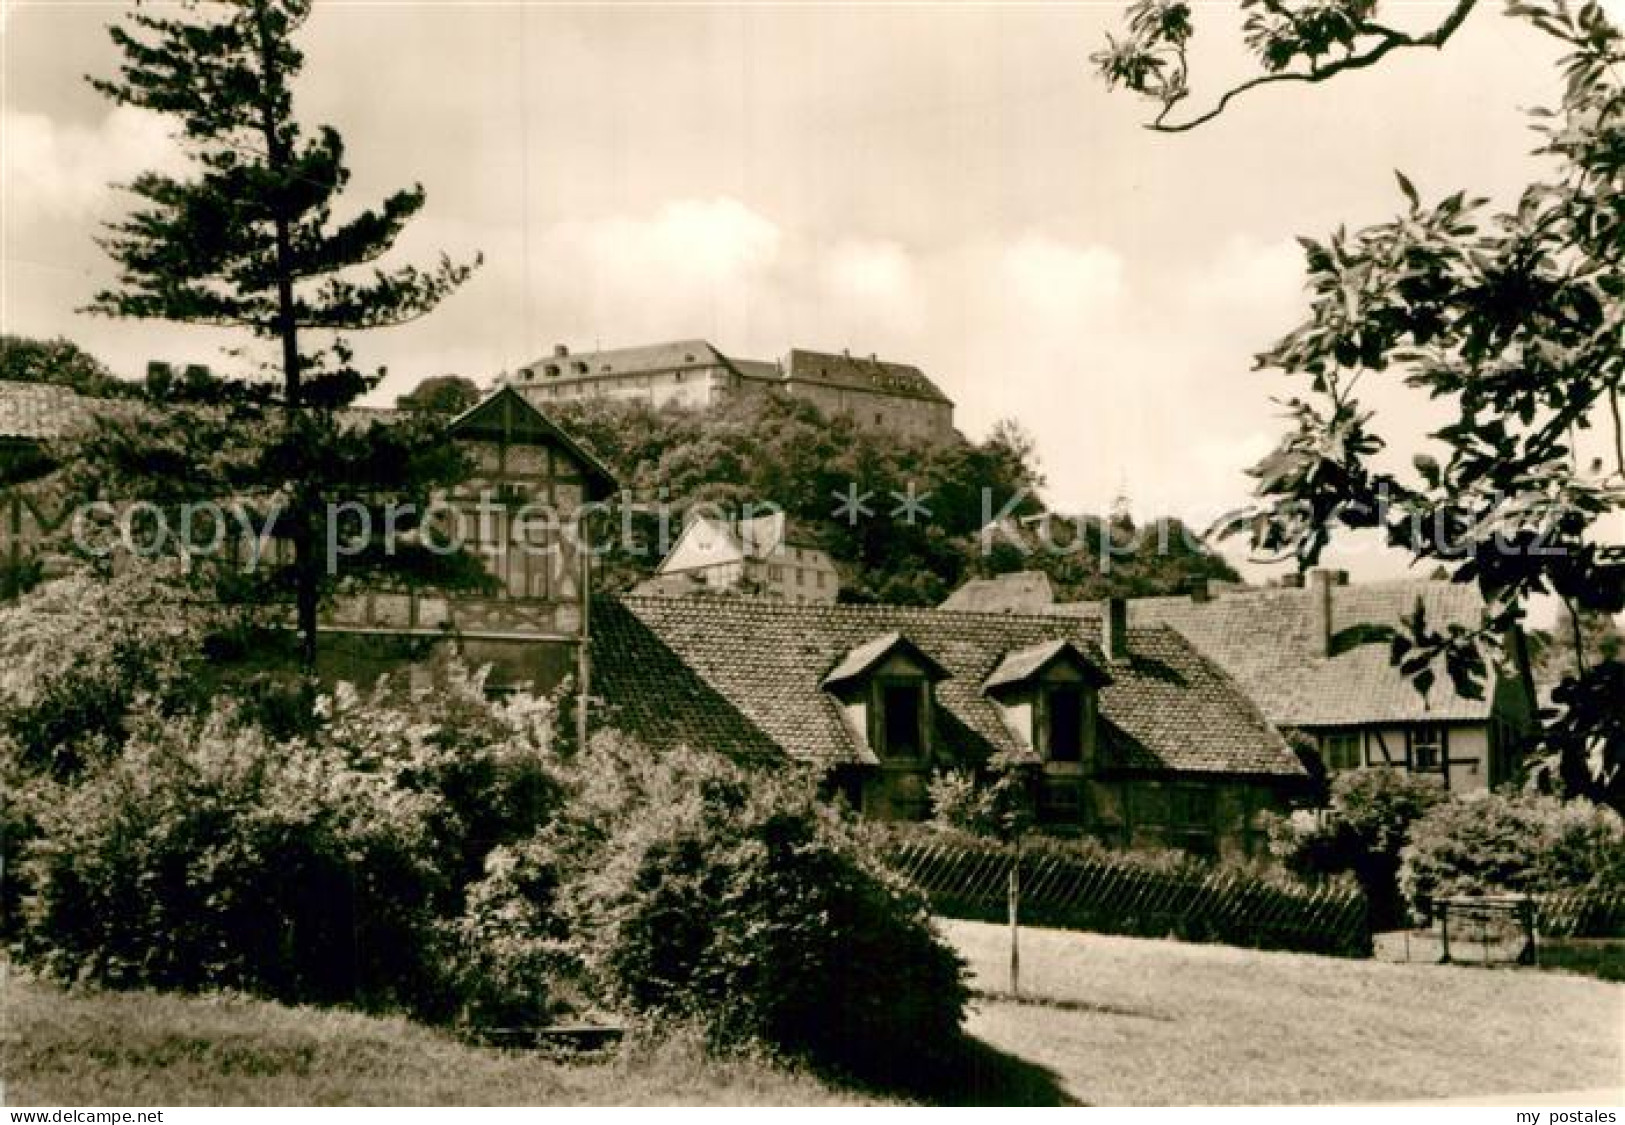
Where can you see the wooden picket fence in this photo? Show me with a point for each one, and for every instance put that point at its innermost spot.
(1115, 895)
(1580, 914)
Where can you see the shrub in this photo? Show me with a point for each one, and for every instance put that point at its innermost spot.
(1361, 832)
(79, 657)
(1495, 843)
(706, 892)
(211, 857)
(515, 965)
(324, 869)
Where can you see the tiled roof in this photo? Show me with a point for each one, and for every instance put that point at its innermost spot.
(683, 669)
(1025, 591)
(864, 373)
(1265, 638)
(858, 662)
(1021, 665)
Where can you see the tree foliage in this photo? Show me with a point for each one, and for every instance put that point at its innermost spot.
(59, 362)
(1294, 41)
(786, 453)
(447, 395)
(249, 240)
(1512, 317)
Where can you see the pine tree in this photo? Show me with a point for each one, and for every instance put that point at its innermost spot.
(248, 240)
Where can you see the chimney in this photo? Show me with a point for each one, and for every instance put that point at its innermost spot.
(560, 351)
(1320, 610)
(1199, 590)
(1114, 629)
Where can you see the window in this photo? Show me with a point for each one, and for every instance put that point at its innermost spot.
(1427, 748)
(1341, 751)
(801, 577)
(900, 713)
(818, 580)
(775, 574)
(879, 418)
(1192, 819)
(1065, 724)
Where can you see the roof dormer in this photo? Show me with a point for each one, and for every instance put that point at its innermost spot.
(885, 690)
(1049, 697)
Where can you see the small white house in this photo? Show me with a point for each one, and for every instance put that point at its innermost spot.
(755, 556)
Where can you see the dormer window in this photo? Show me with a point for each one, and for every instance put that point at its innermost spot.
(1065, 724)
(902, 719)
(1048, 695)
(885, 689)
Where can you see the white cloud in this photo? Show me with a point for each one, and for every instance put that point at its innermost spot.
(714, 242)
(1059, 283)
(1250, 277)
(690, 268)
(874, 272)
(56, 172)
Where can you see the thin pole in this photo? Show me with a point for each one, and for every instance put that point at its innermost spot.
(583, 657)
(1014, 896)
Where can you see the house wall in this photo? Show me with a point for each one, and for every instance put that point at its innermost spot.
(798, 574)
(1213, 815)
(1471, 760)
(1206, 815)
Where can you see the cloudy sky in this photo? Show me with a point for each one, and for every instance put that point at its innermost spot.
(943, 184)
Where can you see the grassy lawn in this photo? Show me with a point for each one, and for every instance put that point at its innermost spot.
(1128, 1021)
(1112, 1021)
(142, 1048)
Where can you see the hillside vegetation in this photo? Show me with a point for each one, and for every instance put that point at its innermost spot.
(786, 453)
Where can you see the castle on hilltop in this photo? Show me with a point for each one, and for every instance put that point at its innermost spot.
(875, 393)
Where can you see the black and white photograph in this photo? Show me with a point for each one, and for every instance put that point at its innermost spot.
(805, 553)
